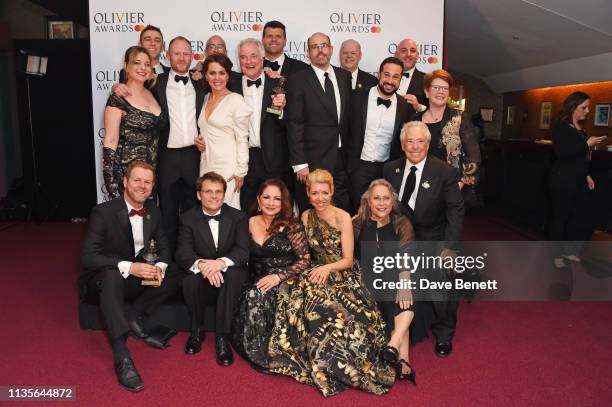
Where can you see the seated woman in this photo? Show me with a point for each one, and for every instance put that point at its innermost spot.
(132, 124)
(379, 219)
(332, 333)
(224, 129)
(278, 252)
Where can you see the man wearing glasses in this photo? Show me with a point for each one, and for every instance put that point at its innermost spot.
(214, 45)
(318, 101)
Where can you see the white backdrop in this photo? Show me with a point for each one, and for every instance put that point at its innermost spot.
(377, 26)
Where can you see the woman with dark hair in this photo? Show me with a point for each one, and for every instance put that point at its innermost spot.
(279, 252)
(132, 123)
(224, 129)
(570, 181)
(380, 224)
(453, 138)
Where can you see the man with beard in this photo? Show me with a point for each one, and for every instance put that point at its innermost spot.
(276, 62)
(376, 117)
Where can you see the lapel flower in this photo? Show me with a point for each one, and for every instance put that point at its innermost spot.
(397, 170)
(425, 184)
(358, 86)
(148, 216)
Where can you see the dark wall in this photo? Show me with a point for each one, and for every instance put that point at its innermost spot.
(62, 127)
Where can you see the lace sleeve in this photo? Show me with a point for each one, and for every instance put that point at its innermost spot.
(299, 244)
(116, 101)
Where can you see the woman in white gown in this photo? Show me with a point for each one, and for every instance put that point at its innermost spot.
(224, 129)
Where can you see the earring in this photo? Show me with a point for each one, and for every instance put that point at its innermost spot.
(258, 208)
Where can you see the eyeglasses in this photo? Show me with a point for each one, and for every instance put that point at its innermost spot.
(440, 88)
(219, 47)
(318, 46)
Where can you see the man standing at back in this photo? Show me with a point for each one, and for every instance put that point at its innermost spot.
(411, 86)
(318, 102)
(274, 39)
(350, 56)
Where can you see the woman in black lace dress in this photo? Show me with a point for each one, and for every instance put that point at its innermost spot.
(279, 252)
(132, 124)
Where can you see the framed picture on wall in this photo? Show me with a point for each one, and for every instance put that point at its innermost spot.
(602, 115)
(487, 114)
(545, 115)
(510, 115)
(59, 29)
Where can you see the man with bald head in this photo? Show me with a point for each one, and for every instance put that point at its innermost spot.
(318, 101)
(411, 86)
(350, 56)
(215, 44)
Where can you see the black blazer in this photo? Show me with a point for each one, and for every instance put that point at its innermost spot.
(272, 129)
(291, 66)
(365, 80)
(109, 238)
(195, 240)
(438, 212)
(358, 118)
(313, 126)
(417, 88)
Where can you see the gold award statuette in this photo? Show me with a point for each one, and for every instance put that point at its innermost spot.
(278, 90)
(151, 258)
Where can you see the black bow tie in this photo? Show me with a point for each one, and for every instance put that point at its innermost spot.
(179, 78)
(256, 82)
(381, 101)
(216, 217)
(406, 75)
(272, 65)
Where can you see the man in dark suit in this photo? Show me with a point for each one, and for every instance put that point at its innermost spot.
(411, 87)
(429, 193)
(376, 117)
(268, 155)
(274, 38)
(213, 249)
(350, 56)
(318, 102)
(119, 231)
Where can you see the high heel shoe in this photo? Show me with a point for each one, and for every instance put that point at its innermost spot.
(405, 376)
(390, 354)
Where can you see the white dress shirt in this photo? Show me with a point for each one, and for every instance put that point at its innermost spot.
(182, 111)
(280, 60)
(159, 68)
(137, 234)
(253, 96)
(419, 172)
(354, 78)
(405, 82)
(379, 128)
(214, 230)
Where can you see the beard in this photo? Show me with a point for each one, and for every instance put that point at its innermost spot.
(382, 90)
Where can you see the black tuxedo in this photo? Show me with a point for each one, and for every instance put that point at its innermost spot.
(196, 242)
(362, 172)
(365, 80)
(109, 240)
(417, 88)
(178, 168)
(437, 216)
(314, 128)
(291, 66)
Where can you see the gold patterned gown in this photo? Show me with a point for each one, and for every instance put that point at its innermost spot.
(329, 336)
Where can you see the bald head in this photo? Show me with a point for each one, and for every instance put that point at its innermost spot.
(408, 52)
(320, 50)
(215, 45)
(350, 55)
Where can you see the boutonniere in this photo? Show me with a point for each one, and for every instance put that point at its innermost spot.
(425, 184)
(397, 170)
(148, 216)
(358, 86)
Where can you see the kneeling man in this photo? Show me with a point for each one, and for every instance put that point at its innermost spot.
(213, 247)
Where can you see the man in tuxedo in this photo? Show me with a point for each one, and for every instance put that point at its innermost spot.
(268, 155)
(274, 39)
(216, 45)
(119, 232)
(318, 102)
(350, 56)
(213, 249)
(430, 197)
(152, 40)
(411, 86)
(376, 118)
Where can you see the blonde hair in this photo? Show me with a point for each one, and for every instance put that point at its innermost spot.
(320, 176)
(364, 213)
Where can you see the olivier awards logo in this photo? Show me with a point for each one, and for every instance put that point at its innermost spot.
(360, 23)
(118, 21)
(236, 21)
(197, 49)
(297, 50)
(105, 79)
(429, 53)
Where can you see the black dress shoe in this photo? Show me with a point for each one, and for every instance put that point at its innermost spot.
(224, 351)
(194, 343)
(443, 349)
(128, 375)
(136, 329)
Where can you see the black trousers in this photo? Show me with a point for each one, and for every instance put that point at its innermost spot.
(257, 174)
(341, 188)
(198, 293)
(446, 319)
(364, 173)
(114, 291)
(178, 172)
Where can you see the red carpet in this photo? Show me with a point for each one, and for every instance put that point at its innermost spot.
(505, 354)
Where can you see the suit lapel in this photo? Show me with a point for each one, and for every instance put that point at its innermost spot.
(269, 83)
(224, 227)
(344, 91)
(146, 229)
(199, 99)
(125, 225)
(422, 199)
(398, 174)
(316, 85)
(365, 96)
(162, 83)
